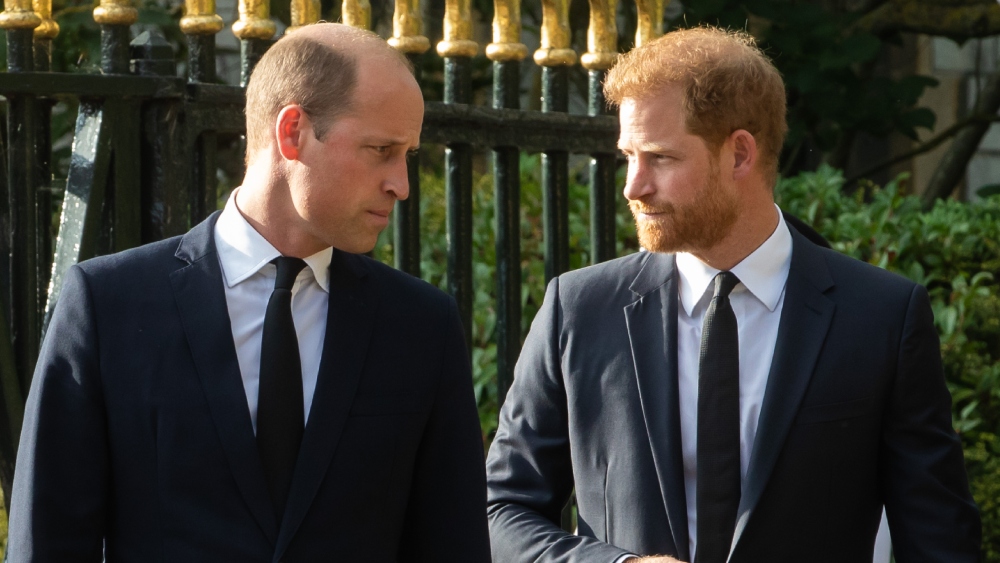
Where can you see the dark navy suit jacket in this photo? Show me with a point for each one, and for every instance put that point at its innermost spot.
(137, 439)
(855, 415)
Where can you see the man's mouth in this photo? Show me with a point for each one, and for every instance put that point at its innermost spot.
(647, 212)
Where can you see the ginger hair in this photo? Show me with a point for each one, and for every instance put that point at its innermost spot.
(728, 84)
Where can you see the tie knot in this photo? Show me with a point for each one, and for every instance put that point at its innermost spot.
(288, 270)
(724, 283)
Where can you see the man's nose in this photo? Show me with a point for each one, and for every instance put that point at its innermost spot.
(637, 182)
(397, 183)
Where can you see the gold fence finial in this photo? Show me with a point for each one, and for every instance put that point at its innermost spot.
(304, 12)
(506, 44)
(555, 50)
(602, 36)
(458, 30)
(357, 13)
(116, 12)
(48, 29)
(18, 14)
(650, 21)
(200, 18)
(406, 28)
(255, 20)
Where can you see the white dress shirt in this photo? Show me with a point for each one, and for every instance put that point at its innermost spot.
(245, 258)
(757, 302)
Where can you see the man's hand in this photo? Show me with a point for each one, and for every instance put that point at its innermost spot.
(652, 559)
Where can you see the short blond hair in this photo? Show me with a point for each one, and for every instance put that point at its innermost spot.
(318, 75)
(728, 84)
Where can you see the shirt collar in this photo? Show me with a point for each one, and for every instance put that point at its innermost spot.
(763, 273)
(243, 251)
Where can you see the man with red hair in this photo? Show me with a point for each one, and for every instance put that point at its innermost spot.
(734, 392)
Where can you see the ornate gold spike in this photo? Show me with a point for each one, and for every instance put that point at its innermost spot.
(18, 14)
(116, 12)
(200, 18)
(357, 13)
(602, 36)
(406, 28)
(650, 21)
(304, 12)
(48, 29)
(458, 30)
(506, 44)
(555, 49)
(255, 20)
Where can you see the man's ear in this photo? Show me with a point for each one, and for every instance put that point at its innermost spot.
(744, 152)
(290, 130)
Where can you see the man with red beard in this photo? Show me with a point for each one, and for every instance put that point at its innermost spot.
(734, 392)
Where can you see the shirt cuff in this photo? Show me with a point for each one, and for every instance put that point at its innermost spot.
(624, 557)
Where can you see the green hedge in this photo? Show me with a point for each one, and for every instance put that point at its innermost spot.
(953, 249)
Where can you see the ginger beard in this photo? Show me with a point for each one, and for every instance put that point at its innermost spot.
(688, 227)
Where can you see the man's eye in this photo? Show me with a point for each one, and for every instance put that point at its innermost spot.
(380, 149)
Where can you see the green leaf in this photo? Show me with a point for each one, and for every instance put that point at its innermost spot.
(988, 190)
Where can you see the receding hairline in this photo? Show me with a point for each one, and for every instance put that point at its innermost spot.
(358, 44)
(305, 67)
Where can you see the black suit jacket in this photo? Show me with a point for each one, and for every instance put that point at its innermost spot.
(137, 433)
(855, 415)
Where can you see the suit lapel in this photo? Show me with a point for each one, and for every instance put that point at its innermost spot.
(349, 324)
(652, 330)
(805, 320)
(201, 302)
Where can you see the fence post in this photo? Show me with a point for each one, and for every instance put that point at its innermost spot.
(458, 50)
(407, 39)
(115, 17)
(254, 30)
(507, 52)
(303, 13)
(19, 326)
(200, 25)
(602, 50)
(357, 13)
(555, 56)
(168, 193)
(43, 36)
(650, 25)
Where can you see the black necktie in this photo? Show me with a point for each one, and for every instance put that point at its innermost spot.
(718, 494)
(280, 418)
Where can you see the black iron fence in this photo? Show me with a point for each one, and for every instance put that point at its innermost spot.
(144, 153)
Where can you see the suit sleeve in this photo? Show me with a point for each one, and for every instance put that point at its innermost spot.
(58, 505)
(446, 514)
(529, 471)
(931, 514)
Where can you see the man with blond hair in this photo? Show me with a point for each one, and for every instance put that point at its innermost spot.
(256, 390)
(734, 392)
